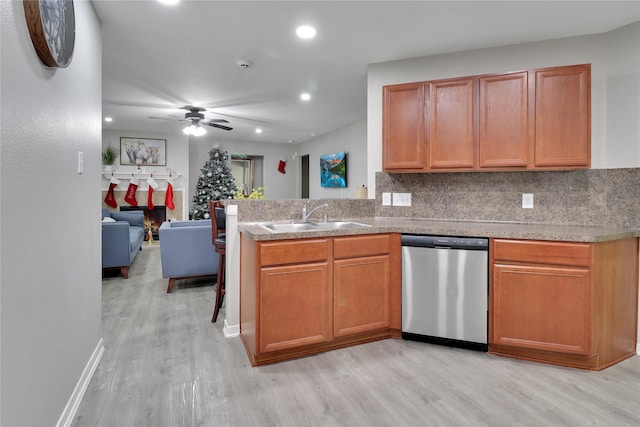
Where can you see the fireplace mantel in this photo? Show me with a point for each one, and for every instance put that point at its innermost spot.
(140, 175)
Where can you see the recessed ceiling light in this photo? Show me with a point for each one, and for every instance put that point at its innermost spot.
(306, 32)
(108, 119)
(258, 130)
(169, 2)
(305, 97)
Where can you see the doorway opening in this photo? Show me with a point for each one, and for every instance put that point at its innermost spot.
(304, 184)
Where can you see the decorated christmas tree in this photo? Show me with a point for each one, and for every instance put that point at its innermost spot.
(215, 183)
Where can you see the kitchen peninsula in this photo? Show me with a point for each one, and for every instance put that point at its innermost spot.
(586, 318)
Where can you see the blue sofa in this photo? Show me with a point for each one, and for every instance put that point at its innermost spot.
(122, 239)
(186, 250)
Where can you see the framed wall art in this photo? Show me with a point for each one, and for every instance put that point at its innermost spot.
(143, 152)
(333, 170)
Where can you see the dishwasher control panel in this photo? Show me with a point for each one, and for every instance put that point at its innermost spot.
(445, 242)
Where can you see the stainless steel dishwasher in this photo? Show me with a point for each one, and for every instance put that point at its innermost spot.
(445, 290)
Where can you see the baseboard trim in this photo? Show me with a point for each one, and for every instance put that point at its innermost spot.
(70, 410)
(230, 331)
(638, 349)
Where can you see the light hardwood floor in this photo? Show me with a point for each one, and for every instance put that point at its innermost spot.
(166, 364)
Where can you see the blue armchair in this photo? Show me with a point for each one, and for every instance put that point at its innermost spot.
(121, 239)
(186, 250)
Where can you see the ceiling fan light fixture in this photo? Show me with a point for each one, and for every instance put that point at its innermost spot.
(305, 96)
(194, 130)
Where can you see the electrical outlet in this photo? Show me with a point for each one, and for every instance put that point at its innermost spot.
(386, 199)
(401, 199)
(527, 200)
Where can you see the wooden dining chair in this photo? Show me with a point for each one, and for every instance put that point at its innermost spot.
(218, 239)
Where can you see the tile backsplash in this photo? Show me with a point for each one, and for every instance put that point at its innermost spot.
(600, 197)
(290, 209)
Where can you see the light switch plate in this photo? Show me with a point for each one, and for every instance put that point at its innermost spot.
(386, 199)
(527, 200)
(401, 199)
(80, 162)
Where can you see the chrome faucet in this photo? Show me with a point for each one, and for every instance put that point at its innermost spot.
(306, 215)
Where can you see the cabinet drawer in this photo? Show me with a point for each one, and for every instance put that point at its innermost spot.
(359, 246)
(293, 251)
(539, 252)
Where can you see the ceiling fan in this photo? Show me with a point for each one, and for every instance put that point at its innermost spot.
(195, 117)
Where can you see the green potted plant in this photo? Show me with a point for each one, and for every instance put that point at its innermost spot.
(109, 156)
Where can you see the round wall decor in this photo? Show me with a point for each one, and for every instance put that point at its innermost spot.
(52, 26)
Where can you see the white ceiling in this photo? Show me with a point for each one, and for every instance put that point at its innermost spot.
(157, 58)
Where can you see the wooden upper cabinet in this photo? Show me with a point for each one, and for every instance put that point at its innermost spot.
(563, 116)
(403, 127)
(534, 120)
(503, 139)
(450, 124)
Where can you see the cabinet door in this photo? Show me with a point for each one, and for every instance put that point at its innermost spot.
(361, 295)
(403, 127)
(295, 306)
(450, 124)
(563, 116)
(545, 308)
(504, 132)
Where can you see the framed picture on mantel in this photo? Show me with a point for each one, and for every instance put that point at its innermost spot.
(143, 152)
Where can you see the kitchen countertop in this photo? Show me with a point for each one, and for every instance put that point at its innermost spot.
(507, 230)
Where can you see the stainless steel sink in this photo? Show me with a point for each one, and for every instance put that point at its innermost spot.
(293, 227)
(341, 224)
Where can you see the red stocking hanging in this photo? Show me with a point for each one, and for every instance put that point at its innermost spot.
(152, 186)
(130, 197)
(150, 199)
(168, 198)
(110, 199)
(282, 165)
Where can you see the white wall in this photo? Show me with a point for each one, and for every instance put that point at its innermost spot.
(353, 140)
(614, 81)
(50, 277)
(623, 97)
(177, 160)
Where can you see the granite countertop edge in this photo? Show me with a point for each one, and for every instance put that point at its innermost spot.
(488, 229)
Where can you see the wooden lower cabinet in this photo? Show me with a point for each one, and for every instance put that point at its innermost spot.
(294, 306)
(304, 296)
(571, 304)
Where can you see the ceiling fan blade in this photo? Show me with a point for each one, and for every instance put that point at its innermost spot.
(214, 121)
(215, 125)
(165, 118)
